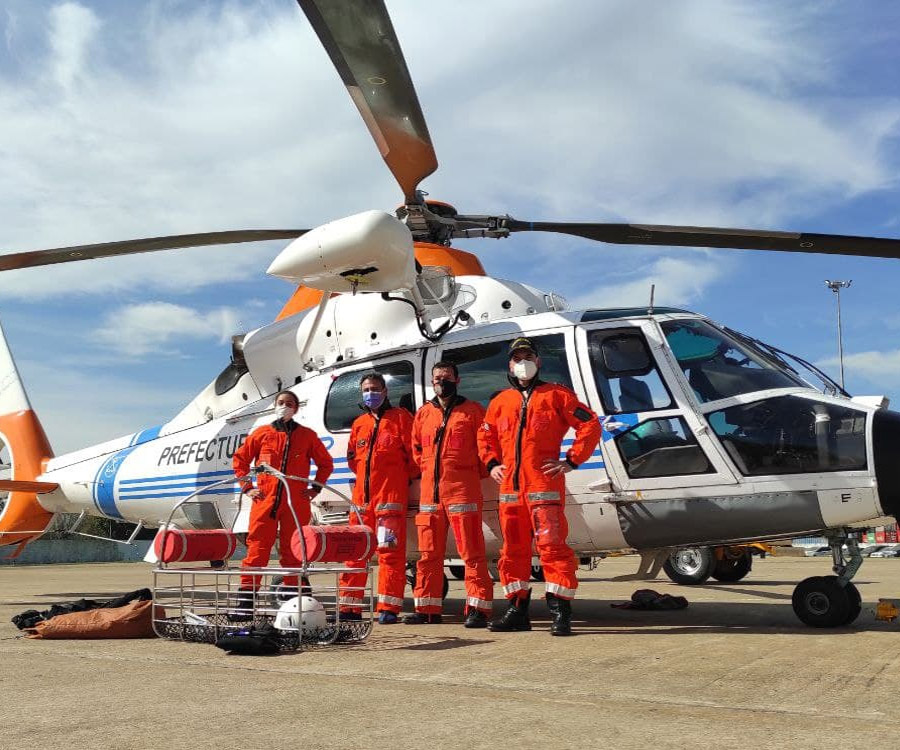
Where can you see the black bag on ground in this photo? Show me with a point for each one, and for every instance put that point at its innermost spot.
(253, 641)
(650, 599)
(31, 617)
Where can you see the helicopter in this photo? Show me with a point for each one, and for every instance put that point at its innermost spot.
(710, 437)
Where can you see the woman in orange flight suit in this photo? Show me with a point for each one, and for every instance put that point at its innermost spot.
(288, 447)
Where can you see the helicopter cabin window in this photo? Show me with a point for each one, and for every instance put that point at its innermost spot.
(626, 377)
(792, 435)
(718, 366)
(661, 448)
(484, 367)
(343, 403)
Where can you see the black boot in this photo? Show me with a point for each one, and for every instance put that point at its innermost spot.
(475, 619)
(423, 618)
(241, 608)
(515, 618)
(561, 611)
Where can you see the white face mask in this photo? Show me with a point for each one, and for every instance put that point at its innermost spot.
(524, 369)
(285, 412)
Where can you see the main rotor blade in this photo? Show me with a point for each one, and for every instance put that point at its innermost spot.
(360, 40)
(13, 261)
(738, 239)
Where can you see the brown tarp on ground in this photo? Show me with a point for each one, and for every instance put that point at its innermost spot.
(133, 620)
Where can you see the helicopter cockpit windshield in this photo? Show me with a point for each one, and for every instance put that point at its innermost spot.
(785, 433)
(718, 365)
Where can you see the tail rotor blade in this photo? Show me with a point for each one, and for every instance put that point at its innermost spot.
(31, 258)
(360, 40)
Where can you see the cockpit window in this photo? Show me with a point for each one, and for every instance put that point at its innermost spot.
(718, 366)
(792, 435)
(624, 372)
(662, 447)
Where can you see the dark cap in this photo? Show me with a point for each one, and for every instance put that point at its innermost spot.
(522, 343)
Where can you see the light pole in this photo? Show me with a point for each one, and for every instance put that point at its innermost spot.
(836, 286)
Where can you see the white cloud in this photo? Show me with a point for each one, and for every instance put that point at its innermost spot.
(155, 327)
(72, 30)
(80, 408)
(678, 280)
(880, 368)
(209, 116)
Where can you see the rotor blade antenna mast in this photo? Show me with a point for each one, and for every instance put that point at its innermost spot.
(360, 40)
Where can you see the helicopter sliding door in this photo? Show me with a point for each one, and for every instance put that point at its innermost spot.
(652, 439)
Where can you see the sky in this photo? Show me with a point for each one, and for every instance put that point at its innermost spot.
(124, 120)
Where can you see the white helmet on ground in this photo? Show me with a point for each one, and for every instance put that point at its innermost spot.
(311, 611)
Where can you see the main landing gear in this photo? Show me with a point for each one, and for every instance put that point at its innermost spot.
(832, 601)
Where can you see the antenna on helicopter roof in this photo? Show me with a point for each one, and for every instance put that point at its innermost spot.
(652, 291)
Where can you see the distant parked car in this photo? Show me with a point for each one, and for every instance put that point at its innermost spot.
(818, 551)
(890, 550)
(871, 549)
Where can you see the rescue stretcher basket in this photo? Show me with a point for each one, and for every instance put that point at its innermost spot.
(197, 595)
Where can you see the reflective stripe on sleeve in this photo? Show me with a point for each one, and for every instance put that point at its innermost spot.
(479, 603)
(427, 601)
(393, 600)
(508, 497)
(513, 586)
(389, 506)
(463, 508)
(561, 591)
(429, 508)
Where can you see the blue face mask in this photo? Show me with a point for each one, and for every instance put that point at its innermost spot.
(373, 399)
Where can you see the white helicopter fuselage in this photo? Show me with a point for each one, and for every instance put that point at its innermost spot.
(676, 465)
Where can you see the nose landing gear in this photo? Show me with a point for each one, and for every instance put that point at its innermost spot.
(832, 601)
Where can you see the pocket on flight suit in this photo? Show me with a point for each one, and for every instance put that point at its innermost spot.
(549, 523)
(426, 531)
(468, 534)
(388, 530)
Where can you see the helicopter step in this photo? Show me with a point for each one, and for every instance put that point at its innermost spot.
(832, 601)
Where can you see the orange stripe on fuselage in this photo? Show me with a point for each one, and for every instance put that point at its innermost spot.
(29, 449)
(459, 262)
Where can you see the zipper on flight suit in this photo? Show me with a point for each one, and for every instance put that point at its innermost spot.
(284, 462)
(438, 445)
(523, 415)
(369, 459)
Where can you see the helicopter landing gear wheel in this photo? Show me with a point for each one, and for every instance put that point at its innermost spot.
(537, 573)
(821, 602)
(457, 571)
(732, 568)
(690, 566)
(832, 601)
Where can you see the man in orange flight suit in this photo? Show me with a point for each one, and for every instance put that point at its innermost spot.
(520, 444)
(445, 447)
(380, 455)
(288, 447)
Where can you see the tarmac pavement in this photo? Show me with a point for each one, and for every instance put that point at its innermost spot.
(735, 668)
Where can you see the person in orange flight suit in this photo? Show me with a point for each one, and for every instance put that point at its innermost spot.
(380, 455)
(445, 447)
(520, 444)
(288, 447)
